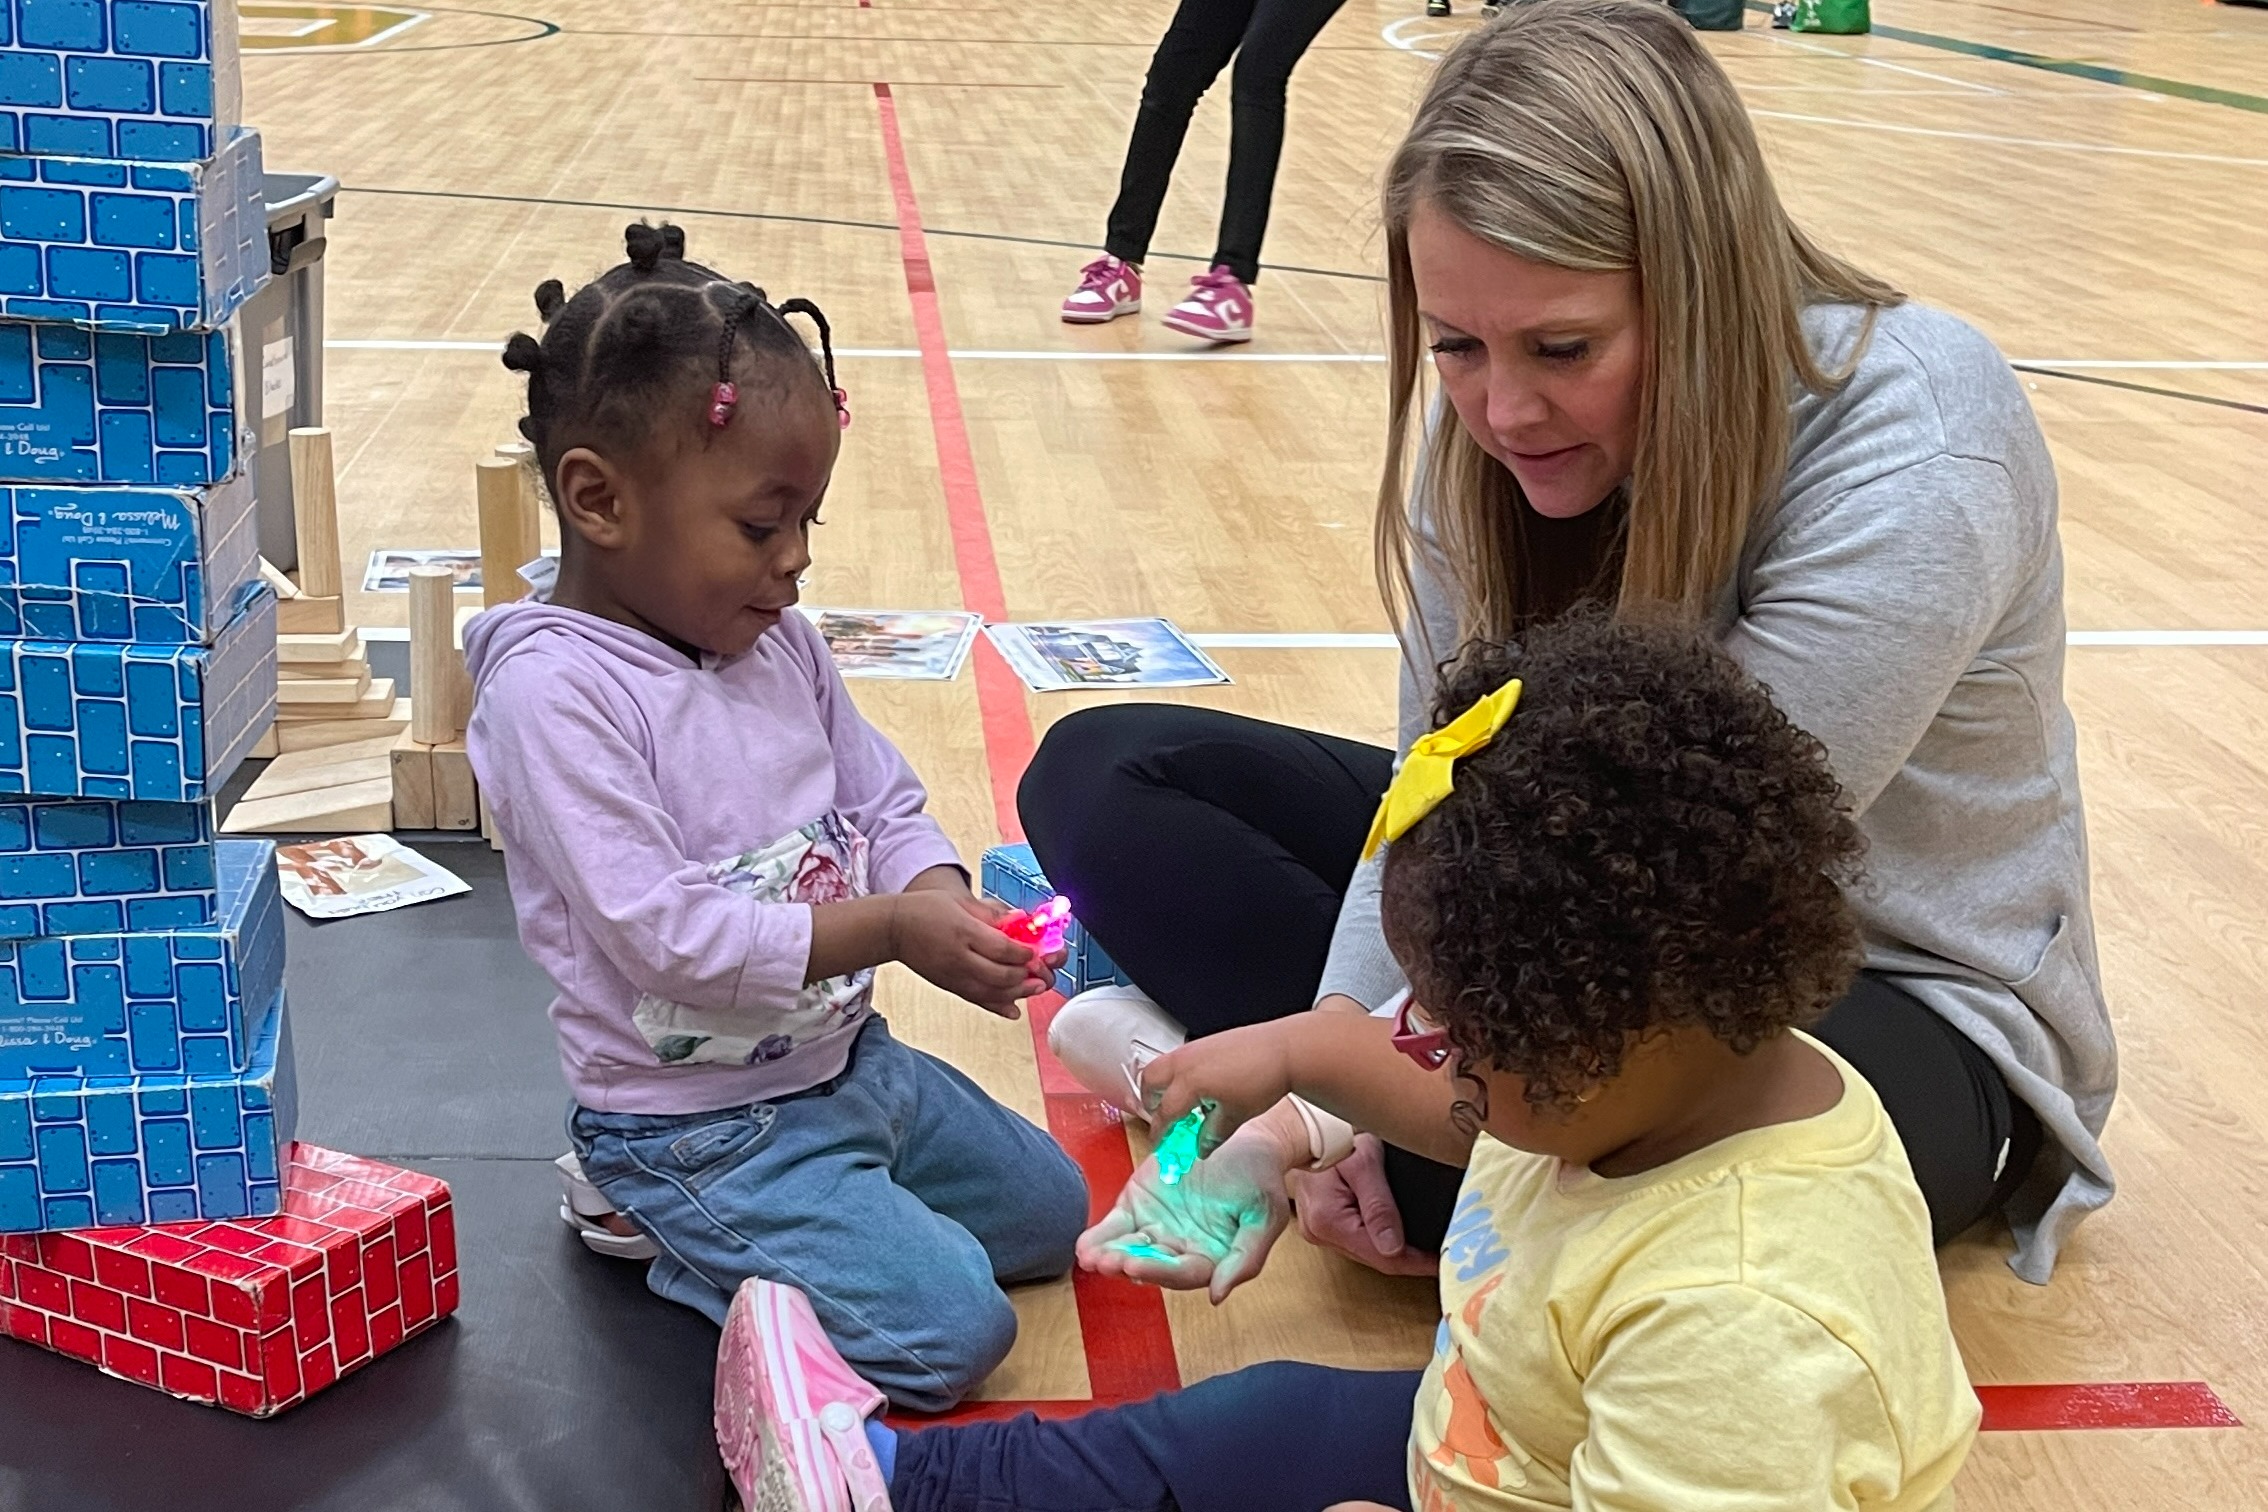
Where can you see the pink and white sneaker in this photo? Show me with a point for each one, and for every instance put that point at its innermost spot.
(1219, 308)
(1108, 288)
(791, 1415)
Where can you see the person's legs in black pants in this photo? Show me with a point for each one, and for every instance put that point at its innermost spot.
(1206, 852)
(1196, 47)
(1280, 1437)
(1969, 1139)
(1274, 42)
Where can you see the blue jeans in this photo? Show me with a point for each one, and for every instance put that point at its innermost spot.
(898, 1197)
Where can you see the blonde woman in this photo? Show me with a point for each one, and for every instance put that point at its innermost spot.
(1655, 392)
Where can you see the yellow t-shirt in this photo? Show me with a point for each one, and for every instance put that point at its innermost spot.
(1757, 1327)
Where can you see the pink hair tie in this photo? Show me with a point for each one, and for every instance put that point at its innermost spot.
(842, 408)
(723, 400)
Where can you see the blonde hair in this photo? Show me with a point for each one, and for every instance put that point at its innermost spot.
(1599, 135)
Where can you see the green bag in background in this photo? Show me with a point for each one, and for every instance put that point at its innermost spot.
(1842, 18)
(1712, 15)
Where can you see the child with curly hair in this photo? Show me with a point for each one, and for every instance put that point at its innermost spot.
(1690, 1270)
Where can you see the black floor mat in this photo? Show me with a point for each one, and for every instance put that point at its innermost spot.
(561, 1385)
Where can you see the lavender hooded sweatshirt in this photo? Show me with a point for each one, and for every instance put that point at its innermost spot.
(617, 772)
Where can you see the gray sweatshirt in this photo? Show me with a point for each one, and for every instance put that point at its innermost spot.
(1903, 601)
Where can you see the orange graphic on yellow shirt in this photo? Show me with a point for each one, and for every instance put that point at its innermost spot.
(268, 26)
(1470, 1436)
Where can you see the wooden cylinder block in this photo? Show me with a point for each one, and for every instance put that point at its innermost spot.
(434, 658)
(509, 534)
(315, 511)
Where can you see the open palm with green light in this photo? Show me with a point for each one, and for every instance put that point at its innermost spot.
(1210, 1230)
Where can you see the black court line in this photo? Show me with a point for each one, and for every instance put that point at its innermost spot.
(821, 220)
(2142, 388)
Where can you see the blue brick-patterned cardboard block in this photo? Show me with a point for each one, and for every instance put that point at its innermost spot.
(1012, 874)
(116, 1004)
(82, 719)
(80, 1151)
(98, 866)
(152, 248)
(191, 1001)
(159, 566)
(151, 80)
(104, 407)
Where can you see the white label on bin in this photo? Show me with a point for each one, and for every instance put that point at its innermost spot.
(279, 379)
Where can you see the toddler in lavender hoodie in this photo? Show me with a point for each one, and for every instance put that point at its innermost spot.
(710, 851)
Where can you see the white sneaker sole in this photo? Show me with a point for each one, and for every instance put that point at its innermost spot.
(1207, 333)
(1101, 317)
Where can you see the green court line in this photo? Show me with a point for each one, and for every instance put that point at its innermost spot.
(2204, 94)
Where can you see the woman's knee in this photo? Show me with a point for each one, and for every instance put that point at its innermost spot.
(1083, 761)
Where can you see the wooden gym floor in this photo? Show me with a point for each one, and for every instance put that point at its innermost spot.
(2084, 179)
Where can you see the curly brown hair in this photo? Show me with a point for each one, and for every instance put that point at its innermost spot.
(1648, 842)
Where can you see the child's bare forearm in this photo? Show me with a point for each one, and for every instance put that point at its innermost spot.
(1345, 1063)
(940, 879)
(852, 935)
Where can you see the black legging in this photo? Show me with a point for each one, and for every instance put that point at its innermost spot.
(1209, 854)
(1267, 38)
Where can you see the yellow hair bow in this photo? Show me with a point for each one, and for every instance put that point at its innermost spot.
(1428, 771)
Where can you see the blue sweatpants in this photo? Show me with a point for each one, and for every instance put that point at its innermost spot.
(898, 1197)
(1281, 1437)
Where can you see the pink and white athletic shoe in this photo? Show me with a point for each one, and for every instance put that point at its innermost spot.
(1219, 308)
(1108, 288)
(791, 1415)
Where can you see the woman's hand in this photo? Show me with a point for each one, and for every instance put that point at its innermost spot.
(1351, 1209)
(1212, 1229)
(947, 937)
(1235, 1076)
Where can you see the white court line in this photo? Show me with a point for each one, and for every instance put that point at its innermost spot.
(415, 18)
(2052, 143)
(1919, 73)
(2144, 364)
(1394, 38)
(1332, 640)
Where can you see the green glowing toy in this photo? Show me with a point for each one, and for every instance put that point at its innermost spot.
(1177, 1151)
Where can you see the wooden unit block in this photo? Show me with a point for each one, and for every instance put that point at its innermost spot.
(456, 797)
(337, 789)
(269, 744)
(315, 734)
(310, 616)
(293, 691)
(290, 672)
(276, 578)
(488, 826)
(315, 512)
(510, 533)
(413, 782)
(377, 703)
(301, 650)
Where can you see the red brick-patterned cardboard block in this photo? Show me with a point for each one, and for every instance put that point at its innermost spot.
(253, 1314)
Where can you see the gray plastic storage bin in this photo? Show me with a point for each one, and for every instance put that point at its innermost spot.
(283, 347)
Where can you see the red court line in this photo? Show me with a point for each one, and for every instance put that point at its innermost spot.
(1128, 1343)
(1007, 723)
(2105, 1404)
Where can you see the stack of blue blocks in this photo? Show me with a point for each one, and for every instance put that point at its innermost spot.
(145, 1069)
